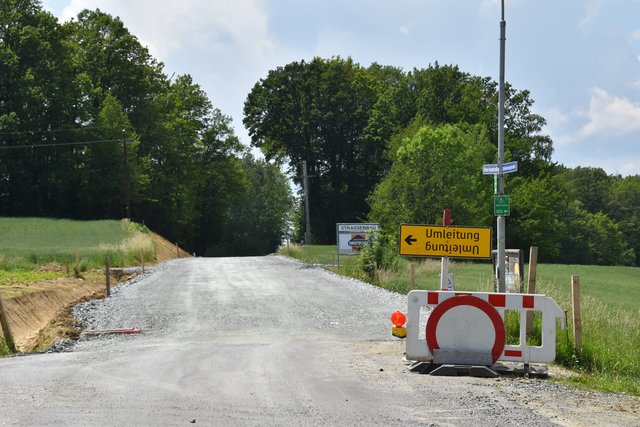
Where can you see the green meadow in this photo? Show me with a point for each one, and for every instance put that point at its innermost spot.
(26, 243)
(610, 303)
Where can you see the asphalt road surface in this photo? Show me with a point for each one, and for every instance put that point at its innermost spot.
(252, 341)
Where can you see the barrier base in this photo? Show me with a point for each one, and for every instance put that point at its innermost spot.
(452, 357)
(464, 370)
(494, 371)
(453, 370)
(533, 371)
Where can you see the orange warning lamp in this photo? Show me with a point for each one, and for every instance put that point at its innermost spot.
(398, 319)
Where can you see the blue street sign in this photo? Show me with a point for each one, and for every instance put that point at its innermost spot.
(506, 168)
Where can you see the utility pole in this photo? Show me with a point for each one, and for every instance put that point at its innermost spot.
(305, 183)
(501, 220)
(126, 176)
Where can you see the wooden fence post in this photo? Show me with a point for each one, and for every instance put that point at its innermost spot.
(108, 275)
(68, 262)
(531, 288)
(577, 317)
(142, 260)
(4, 322)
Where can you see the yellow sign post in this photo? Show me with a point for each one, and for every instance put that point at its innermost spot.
(445, 241)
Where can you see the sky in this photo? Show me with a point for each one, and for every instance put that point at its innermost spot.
(580, 59)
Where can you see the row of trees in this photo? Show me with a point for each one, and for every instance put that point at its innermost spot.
(396, 147)
(91, 127)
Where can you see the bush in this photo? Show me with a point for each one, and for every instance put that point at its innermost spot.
(378, 254)
(4, 350)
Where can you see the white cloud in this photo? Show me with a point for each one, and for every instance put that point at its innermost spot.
(610, 115)
(169, 26)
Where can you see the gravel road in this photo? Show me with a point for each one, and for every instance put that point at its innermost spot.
(266, 341)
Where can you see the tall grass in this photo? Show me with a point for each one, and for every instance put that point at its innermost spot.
(4, 350)
(610, 301)
(326, 255)
(610, 356)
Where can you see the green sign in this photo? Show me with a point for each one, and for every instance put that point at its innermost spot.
(501, 205)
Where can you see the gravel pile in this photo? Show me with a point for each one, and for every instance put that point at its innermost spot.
(107, 313)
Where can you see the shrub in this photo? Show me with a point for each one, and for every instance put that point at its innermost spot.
(378, 254)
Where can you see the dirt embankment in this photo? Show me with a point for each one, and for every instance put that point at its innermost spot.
(38, 319)
(165, 250)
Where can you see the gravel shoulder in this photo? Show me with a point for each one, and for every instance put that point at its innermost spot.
(266, 341)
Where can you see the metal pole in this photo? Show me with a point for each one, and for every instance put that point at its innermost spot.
(531, 288)
(501, 220)
(444, 274)
(307, 229)
(444, 264)
(126, 177)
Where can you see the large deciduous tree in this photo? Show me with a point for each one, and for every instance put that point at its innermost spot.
(317, 112)
(111, 60)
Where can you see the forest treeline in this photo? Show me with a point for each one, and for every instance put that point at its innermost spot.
(92, 127)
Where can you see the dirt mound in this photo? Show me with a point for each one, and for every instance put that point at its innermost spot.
(165, 250)
(51, 266)
(29, 314)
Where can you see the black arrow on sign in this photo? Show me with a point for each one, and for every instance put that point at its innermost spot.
(409, 240)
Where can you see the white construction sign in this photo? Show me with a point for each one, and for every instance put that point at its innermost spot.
(352, 237)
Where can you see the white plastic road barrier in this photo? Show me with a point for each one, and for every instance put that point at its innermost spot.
(472, 324)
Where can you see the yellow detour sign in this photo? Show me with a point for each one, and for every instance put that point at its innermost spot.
(445, 241)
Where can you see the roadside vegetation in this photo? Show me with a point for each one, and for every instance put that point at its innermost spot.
(610, 357)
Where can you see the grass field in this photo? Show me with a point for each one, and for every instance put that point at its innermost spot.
(610, 299)
(26, 243)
